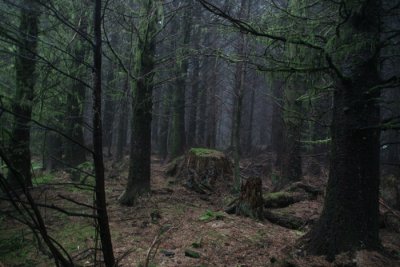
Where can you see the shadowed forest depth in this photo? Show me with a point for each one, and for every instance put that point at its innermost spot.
(200, 133)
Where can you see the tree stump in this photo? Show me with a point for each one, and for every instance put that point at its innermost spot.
(202, 168)
(251, 202)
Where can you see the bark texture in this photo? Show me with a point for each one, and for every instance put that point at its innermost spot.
(202, 170)
(75, 154)
(139, 166)
(251, 202)
(101, 206)
(25, 65)
(350, 218)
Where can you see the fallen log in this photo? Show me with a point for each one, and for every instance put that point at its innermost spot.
(283, 199)
(300, 186)
(284, 219)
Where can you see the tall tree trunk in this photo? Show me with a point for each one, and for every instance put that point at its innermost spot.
(53, 151)
(123, 122)
(139, 167)
(191, 137)
(195, 80)
(239, 84)
(212, 103)
(202, 105)
(265, 123)
(349, 219)
(101, 206)
(178, 115)
(277, 121)
(321, 132)
(25, 65)
(164, 123)
(291, 162)
(240, 75)
(178, 120)
(155, 125)
(393, 167)
(109, 110)
(75, 154)
(249, 136)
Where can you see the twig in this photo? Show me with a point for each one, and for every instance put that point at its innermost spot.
(75, 202)
(155, 244)
(389, 208)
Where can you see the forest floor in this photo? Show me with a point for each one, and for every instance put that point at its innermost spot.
(173, 223)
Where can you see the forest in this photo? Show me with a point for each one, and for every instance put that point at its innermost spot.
(239, 133)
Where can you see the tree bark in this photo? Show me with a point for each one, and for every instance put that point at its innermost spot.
(109, 109)
(249, 133)
(101, 205)
(155, 125)
(202, 104)
(290, 159)
(164, 124)
(191, 137)
(75, 154)
(240, 74)
(178, 115)
(139, 167)
(123, 122)
(350, 217)
(25, 65)
(251, 201)
(277, 121)
(53, 152)
(212, 104)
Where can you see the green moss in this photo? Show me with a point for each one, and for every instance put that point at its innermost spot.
(283, 212)
(43, 179)
(151, 264)
(275, 195)
(299, 233)
(36, 165)
(17, 248)
(259, 239)
(211, 215)
(275, 178)
(73, 236)
(192, 254)
(177, 159)
(198, 243)
(216, 237)
(199, 151)
(227, 200)
(178, 209)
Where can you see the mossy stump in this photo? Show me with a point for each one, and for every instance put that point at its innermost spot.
(202, 168)
(251, 201)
